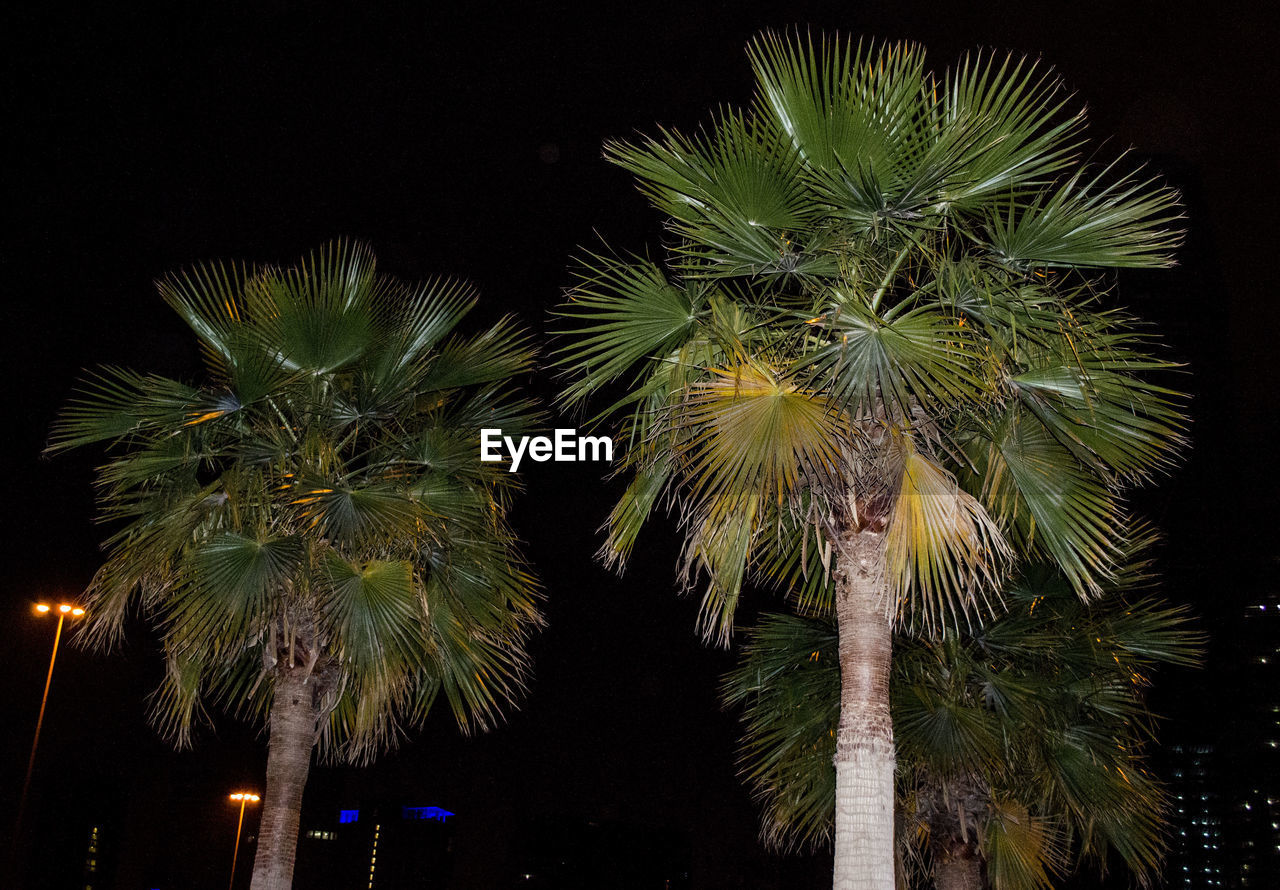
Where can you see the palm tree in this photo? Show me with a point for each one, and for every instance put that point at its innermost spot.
(311, 530)
(876, 364)
(1021, 744)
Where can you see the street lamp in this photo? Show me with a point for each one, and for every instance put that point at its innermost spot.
(245, 798)
(64, 611)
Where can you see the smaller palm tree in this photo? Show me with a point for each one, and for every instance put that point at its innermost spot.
(1021, 744)
(311, 530)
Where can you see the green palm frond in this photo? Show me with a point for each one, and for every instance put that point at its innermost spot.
(1081, 379)
(1034, 486)
(628, 311)
(1024, 137)
(735, 194)
(210, 299)
(787, 684)
(228, 586)
(1089, 221)
(894, 365)
(481, 615)
(423, 317)
(356, 514)
(499, 353)
(376, 613)
(853, 113)
(115, 403)
(631, 512)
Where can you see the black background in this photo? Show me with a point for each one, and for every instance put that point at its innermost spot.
(466, 140)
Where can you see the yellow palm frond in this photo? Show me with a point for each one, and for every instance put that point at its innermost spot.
(942, 550)
(752, 429)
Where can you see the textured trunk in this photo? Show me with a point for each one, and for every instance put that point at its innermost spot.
(294, 715)
(864, 849)
(958, 873)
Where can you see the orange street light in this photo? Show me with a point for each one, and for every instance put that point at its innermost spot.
(245, 798)
(63, 610)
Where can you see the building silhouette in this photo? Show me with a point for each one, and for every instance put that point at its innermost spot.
(383, 846)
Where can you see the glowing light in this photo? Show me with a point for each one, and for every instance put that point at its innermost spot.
(64, 608)
(77, 611)
(425, 813)
(42, 608)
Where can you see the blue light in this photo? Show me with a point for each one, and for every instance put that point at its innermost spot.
(425, 813)
(347, 816)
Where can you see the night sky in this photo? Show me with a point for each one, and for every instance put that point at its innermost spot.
(467, 141)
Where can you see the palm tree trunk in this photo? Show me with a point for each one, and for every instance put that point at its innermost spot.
(864, 846)
(294, 716)
(958, 873)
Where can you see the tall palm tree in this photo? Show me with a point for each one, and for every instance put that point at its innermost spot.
(1021, 744)
(310, 529)
(875, 365)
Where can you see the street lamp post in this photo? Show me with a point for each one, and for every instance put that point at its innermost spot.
(63, 610)
(245, 798)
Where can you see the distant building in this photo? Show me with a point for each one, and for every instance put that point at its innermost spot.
(1226, 820)
(1199, 858)
(1256, 756)
(376, 847)
(93, 859)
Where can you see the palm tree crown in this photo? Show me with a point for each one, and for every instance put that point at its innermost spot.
(876, 365)
(315, 516)
(884, 279)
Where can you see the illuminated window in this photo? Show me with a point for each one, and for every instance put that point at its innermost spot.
(347, 816)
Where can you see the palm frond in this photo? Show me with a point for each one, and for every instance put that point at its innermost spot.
(1022, 851)
(499, 353)
(942, 551)
(623, 313)
(1035, 488)
(117, 403)
(1015, 107)
(868, 363)
(736, 196)
(1090, 222)
(787, 683)
(854, 115)
(226, 592)
(377, 616)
